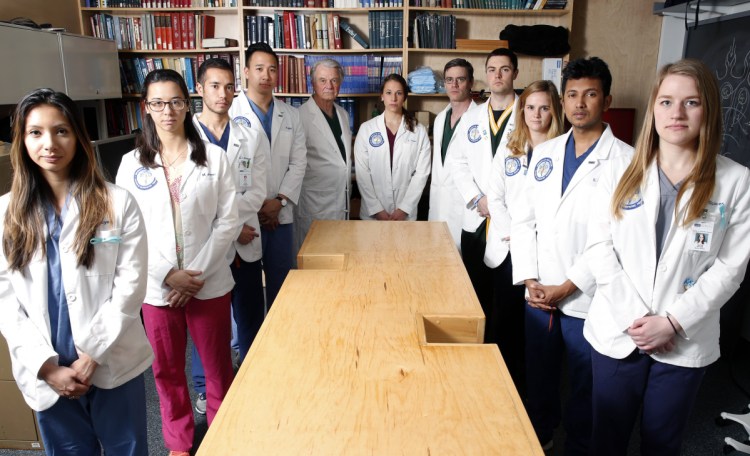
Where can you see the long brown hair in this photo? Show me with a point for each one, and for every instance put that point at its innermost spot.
(409, 117)
(24, 220)
(520, 137)
(148, 142)
(703, 175)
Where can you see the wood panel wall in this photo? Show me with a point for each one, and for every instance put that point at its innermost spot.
(625, 34)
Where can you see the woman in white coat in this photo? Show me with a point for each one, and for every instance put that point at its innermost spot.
(539, 118)
(392, 158)
(72, 281)
(186, 191)
(654, 319)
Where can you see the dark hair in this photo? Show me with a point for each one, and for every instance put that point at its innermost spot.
(503, 52)
(463, 63)
(219, 64)
(594, 68)
(24, 220)
(259, 47)
(409, 117)
(148, 142)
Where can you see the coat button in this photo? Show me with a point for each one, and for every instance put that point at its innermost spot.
(72, 298)
(188, 233)
(662, 267)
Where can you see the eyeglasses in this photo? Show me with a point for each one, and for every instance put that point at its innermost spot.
(178, 104)
(459, 80)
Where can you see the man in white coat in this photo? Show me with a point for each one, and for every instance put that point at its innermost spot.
(548, 237)
(248, 165)
(446, 204)
(482, 131)
(283, 141)
(326, 188)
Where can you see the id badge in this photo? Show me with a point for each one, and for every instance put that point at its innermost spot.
(244, 168)
(702, 233)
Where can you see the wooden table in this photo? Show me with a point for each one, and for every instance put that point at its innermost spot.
(373, 347)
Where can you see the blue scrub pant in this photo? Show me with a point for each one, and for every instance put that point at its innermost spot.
(248, 311)
(621, 386)
(113, 420)
(278, 255)
(544, 356)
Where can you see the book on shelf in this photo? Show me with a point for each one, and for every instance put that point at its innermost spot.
(434, 31)
(483, 4)
(354, 34)
(209, 43)
(289, 30)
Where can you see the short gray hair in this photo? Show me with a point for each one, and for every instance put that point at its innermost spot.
(328, 63)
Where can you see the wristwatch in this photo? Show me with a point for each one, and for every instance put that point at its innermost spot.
(282, 200)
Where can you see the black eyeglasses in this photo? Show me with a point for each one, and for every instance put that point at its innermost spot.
(178, 104)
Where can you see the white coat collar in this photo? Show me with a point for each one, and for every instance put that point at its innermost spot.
(321, 123)
(601, 152)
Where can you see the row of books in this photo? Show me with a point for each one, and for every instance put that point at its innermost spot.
(288, 30)
(386, 30)
(434, 31)
(491, 4)
(154, 31)
(159, 3)
(343, 4)
(134, 70)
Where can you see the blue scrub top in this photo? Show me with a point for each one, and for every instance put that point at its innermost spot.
(223, 142)
(61, 334)
(266, 119)
(571, 162)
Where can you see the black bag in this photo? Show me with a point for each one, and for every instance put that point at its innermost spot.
(539, 40)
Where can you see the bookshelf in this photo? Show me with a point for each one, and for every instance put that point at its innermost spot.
(235, 18)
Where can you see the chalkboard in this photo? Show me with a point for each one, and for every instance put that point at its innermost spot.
(724, 45)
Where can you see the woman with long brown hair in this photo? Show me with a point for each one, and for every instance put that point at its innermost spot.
(186, 191)
(653, 323)
(392, 158)
(72, 281)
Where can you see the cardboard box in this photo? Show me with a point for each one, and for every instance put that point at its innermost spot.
(18, 426)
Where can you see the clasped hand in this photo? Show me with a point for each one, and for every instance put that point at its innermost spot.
(185, 284)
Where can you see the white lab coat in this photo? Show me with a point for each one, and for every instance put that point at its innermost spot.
(632, 282)
(470, 161)
(505, 190)
(326, 187)
(548, 230)
(248, 164)
(446, 204)
(104, 303)
(209, 220)
(285, 153)
(381, 187)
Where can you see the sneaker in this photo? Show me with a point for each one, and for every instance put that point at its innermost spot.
(200, 404)
(547, 447)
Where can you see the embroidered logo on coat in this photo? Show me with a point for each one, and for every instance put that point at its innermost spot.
(633, 202)
(512, 166)
(143, 178)
(244, 121)
(473, 134)
(543, 169)
(376, 139)
(688, 284)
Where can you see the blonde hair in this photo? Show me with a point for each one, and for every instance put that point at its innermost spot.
(520, 137)
(703, 175)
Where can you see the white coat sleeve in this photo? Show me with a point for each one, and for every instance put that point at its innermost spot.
(418, 180)
(523, 247)
(116, 315)
(715, 286)
(614, 289)
(496, 188)
(211, 256)
(249, 202)
(291, 183)
(362, 169)
(457, 164)
(25, 340)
